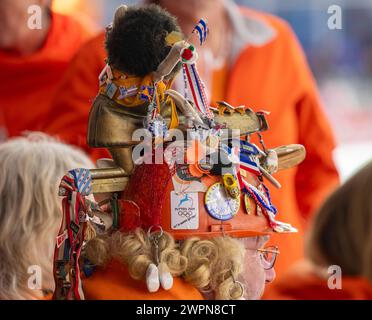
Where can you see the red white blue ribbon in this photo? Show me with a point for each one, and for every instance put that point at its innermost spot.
(195, 87)
(248, 158)
(249, 164)
(75, 185)
(263, 199)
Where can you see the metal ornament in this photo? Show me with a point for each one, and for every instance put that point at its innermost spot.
(157, 273)
(247, 204)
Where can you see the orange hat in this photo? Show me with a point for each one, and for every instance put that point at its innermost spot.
(184, 214)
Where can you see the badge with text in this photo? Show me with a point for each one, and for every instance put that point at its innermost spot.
(184, 182)
(184, 211)
(61, 238)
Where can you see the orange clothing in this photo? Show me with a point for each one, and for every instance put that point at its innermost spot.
(48, 296)
(274, 77)
(68, 119)
(219, 83)
(89, 15)
(29, 82)
(115, 283)
(298, 285)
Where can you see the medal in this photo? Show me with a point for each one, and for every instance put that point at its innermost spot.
(219, 204)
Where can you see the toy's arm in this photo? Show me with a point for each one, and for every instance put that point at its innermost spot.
(171, 60)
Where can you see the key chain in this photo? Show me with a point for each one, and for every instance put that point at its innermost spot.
(157, 273)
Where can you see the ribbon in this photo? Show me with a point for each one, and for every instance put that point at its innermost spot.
(74, 186)
(195, 86)
(262, 199)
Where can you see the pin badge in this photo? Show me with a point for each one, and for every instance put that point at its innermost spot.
(111, 90)
(219, 204)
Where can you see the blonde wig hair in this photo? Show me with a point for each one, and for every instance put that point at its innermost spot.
(30, 209)
(209, 265)
(342, 230)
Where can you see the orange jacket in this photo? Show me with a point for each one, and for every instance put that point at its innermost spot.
(299, 284)
(277, 78)
(29, 82)
(115, 283)
(274, 77)
(75, 95)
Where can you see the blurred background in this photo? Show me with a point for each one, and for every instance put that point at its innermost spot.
(341, 61)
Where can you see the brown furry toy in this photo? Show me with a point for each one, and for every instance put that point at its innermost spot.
(144, 46)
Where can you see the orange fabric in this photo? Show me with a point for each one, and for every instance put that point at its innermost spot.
(68, 119)
(115, 283)
(274, 77)
(299, 284)
(48, 296)
(290, 88)
(89, 14)
(219, 81)
(29, 82)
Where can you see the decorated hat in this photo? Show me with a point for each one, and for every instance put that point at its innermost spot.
(207, 199)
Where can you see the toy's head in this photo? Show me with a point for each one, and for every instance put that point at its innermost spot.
(136, 42)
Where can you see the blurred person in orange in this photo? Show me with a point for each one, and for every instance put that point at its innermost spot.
(87, 12)
(340, 239)
(30, 212)
(36, 46)
(251, 58)
(68, 119)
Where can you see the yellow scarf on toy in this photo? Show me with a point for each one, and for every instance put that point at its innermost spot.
(132, 91)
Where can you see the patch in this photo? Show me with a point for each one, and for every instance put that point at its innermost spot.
(111, 90)
(184, 211)
(61, 238)
(74, 227)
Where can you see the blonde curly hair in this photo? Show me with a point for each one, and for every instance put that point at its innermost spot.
(210, 265)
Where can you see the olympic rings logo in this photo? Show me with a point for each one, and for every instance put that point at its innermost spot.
(185, 213)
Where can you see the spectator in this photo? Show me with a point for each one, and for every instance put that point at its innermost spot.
(341, 236)
(256, 61)
(32, 62)
(30, 210)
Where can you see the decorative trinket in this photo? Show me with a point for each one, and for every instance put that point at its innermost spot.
(231, 185)
(111, 90)
(157, 274)
(247, 204)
